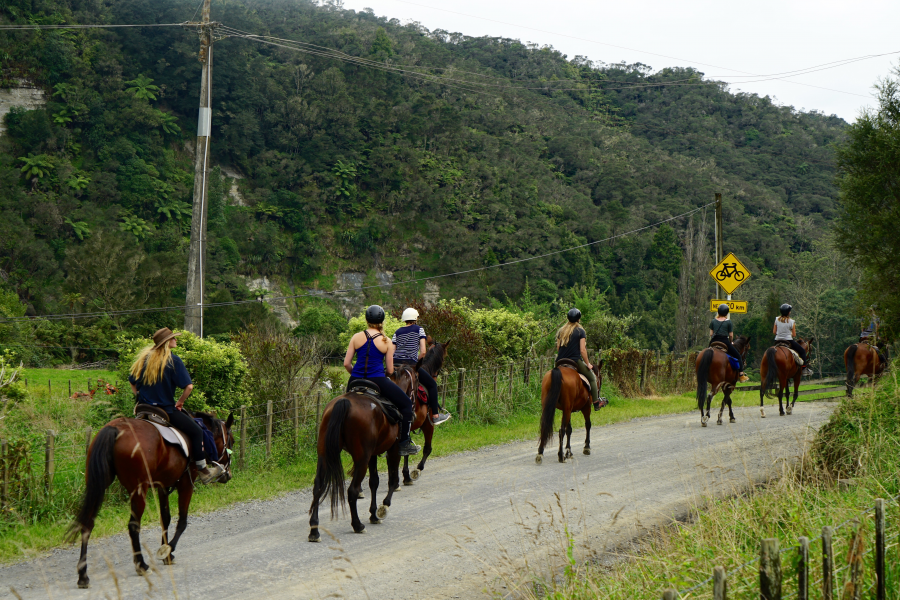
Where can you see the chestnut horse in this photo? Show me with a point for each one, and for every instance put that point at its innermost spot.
(134, 451)
(777, 367)
(431, 362)
(562, 388)
(862, 359)
(713, 367)
(354, 423)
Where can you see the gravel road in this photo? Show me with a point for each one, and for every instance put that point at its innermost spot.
(473, 522)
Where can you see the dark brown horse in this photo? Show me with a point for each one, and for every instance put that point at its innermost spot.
(862, 359)
(714, 368)
(354, 423)
(134, 451)
(778, 366)
(431, 362)
(563, 389)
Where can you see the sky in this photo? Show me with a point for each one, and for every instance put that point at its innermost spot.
(744, 43)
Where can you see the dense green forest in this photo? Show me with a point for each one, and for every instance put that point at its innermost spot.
(455, 152)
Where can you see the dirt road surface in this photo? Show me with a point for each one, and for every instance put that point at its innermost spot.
(471, 523)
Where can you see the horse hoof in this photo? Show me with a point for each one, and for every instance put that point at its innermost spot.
(562, 460)
(719, 422)
(586, 451)
(169, 560)
(84, 584)
(407, 482)
(374, 520)
(789, 410)
(762, 413)
(141, 568)
(314, 536)
(732, 420)
(539, 459)
(382, 511)
(164, 552)
(414, 474)
(361, 496)
(362, 529)
(781, 413)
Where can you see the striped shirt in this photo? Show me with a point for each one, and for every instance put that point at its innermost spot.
(406, 339)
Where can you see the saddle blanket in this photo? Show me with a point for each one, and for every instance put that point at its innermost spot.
(735, 363)
(174, 437)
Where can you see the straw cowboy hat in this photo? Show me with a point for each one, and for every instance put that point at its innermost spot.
(162, 336)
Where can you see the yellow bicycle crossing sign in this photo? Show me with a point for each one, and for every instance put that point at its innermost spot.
(730, 273)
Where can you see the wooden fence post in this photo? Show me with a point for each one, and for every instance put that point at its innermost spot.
(88, 434)
(70, 388)
(803, 570)
(827, 565)
(318, 411)
(880, 589)
(49, 460)
(461, 394)
(526, 370)
(644, 370)
(769, 570)
(496, 377)
(4, 473)
(720, 585)
(243, 446)
(478, 388)
(670, 595)
(511, 376)
(269, 415)
(296, 423)
(49, 387)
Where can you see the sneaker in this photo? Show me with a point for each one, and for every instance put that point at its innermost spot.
(407, 448)
(807, 371)
(440, 418)
(743, 378)
(210, 474)
(600, 403)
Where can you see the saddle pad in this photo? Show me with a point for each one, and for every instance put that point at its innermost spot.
(585, 381)
(797, 358)
(422, 395)
(174, 437)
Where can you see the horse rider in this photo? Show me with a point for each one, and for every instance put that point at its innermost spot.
(409, 344)
(869, 335)
(721, 329)
(154, 376)
(785, 330)
(571, 343)
(372, 348)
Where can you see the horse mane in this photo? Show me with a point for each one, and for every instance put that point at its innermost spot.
(433, 359)
(741, 342)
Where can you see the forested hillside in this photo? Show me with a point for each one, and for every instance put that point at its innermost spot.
(441, 153)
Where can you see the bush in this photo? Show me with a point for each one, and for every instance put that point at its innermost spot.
(507, 334)
(218, 370)
(323, 322)
(444, 324)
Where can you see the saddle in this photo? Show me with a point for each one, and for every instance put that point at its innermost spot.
(787, 345)
(568, 363)
(719, 346)
(160, 419)
(370, 389)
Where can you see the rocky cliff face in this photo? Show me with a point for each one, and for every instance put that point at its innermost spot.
(24, 96)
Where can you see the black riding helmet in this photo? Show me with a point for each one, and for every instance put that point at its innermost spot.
(723, 310)
(785, 309)
(374, 314)
(573, 315)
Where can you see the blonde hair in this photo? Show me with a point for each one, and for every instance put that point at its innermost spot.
(150, 364)
(378, 326)
(565, 333)
(784, 319)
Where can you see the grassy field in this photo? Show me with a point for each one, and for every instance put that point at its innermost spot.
(44, 525)
(57, 381)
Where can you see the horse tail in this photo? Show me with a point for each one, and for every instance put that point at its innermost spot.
(706, 359)
(548, 413)
(330, 471)
(99, 474)
(772, 379)
(851, 363)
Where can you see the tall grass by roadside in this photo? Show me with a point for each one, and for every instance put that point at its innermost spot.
(852, 461)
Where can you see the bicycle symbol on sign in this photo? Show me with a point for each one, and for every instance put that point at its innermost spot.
(728, 270)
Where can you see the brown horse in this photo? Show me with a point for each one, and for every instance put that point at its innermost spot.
(862, 359)
(354, 423)
(562, 388)
(134, 451)
(431, 362)
(777, 367)
(713, 367)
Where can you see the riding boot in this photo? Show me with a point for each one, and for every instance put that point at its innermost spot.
(206, 474)
(407, 448)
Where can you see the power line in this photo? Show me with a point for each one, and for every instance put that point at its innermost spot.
(378, 285)
(32, 27)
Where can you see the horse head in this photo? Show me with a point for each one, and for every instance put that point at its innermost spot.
(742, 343)
(221, 431)
(598, 366)
(434, 358)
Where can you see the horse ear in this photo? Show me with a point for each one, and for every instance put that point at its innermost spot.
(447, 345)
(229, 421)
(810, 340)
(600, 364)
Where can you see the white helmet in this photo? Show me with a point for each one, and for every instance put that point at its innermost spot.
(410, 314)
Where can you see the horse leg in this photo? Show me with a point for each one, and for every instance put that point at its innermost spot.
(704, 416)
(722, 408)
(407, 480)
(562, 437)
(393, 465)
(781, 390)
(165, 516)
(318, 486)
(790, 405)
(138, 503)
(428, 430)
(359, 472)
(587, 428)
(83, 580)
(373, 489)
(569, 438)
(731, 418)
(185, 489)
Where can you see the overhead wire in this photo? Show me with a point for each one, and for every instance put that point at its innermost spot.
(366, 287)
(32, 27)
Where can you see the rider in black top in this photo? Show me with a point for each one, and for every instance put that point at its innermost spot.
(721, 329)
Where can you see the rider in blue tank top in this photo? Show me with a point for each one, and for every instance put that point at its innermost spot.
(369, 365)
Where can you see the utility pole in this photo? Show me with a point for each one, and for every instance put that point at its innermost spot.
(193, 314)
(720, 244)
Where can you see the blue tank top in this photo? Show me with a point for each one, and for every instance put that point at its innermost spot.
(369, 359)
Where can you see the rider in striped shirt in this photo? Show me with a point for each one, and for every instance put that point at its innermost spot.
(409, 343)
